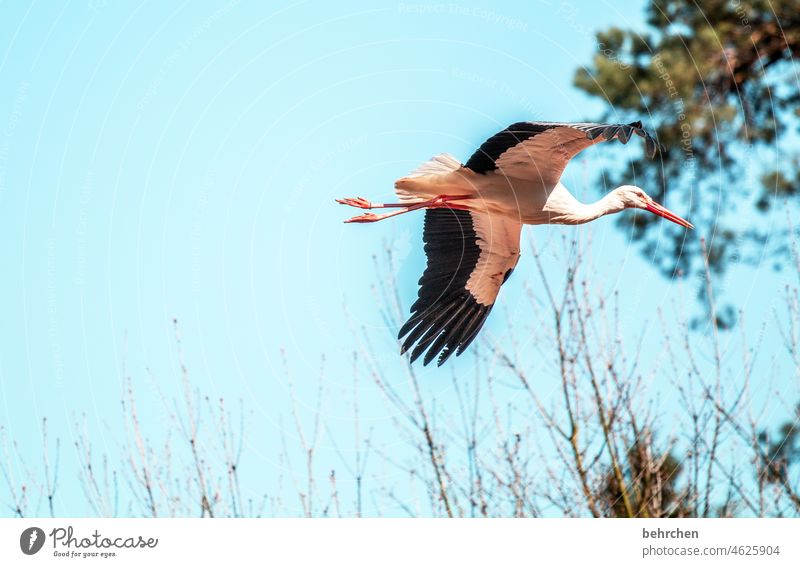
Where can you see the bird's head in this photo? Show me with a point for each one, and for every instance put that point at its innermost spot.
(632, 197)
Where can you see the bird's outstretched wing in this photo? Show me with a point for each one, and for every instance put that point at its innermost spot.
(541, 150)
(470, 255)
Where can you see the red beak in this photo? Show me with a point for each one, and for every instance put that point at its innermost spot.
(662, 211)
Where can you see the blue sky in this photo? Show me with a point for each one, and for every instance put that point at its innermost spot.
(164, 161)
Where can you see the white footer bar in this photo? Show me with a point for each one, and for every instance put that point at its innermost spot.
(382, 542)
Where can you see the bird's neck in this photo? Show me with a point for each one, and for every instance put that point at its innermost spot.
(582, 213)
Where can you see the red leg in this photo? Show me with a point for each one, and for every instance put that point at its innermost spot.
(362, 203)
(436, 202)
(372, 217)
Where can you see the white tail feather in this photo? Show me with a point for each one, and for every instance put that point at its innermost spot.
(414, 187)
(442, 163)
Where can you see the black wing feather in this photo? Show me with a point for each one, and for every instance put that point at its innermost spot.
(445, 313)
(485, 158)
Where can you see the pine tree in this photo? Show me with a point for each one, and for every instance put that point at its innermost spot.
(718, 82)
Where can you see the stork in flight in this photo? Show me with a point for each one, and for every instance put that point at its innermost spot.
(474, 214)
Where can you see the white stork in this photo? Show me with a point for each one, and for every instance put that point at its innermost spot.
(474, 215)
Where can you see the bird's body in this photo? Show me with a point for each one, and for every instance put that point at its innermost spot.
(527, 201)
(475, 212)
